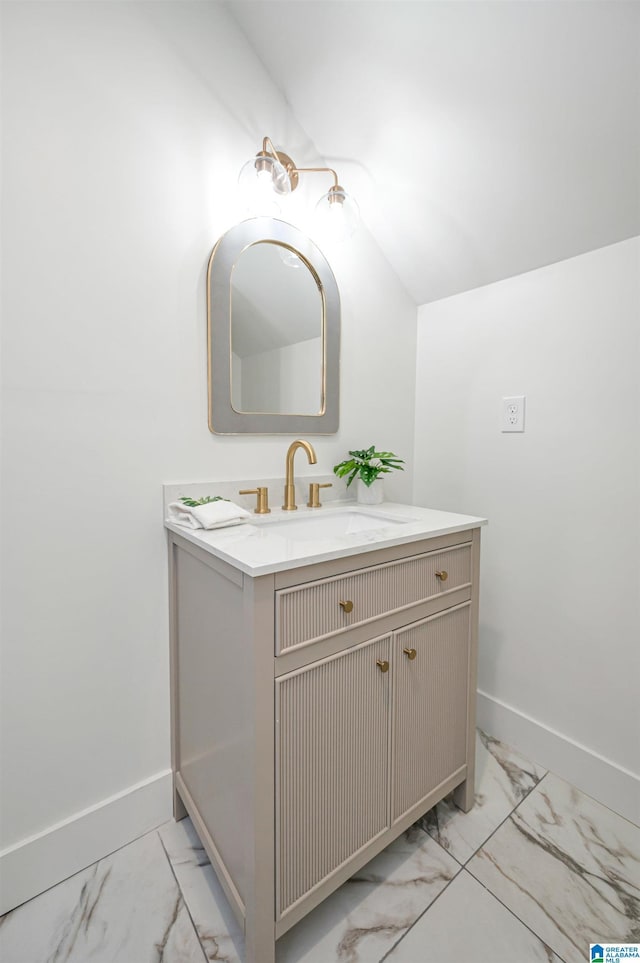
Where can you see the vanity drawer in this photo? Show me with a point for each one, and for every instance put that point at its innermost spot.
(307, 613)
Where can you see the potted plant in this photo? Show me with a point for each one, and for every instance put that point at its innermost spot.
(367, 465)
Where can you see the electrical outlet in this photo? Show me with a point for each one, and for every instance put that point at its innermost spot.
(513, 413)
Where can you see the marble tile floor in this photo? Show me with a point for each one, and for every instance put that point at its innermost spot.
(535, 872)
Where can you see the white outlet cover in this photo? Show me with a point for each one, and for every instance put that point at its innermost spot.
(512, 413)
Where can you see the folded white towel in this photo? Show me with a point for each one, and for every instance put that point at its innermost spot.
(212, 515)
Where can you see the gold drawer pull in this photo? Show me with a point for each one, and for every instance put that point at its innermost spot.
(443, 576)
(410, 653)
(346, 606)
(383, 665)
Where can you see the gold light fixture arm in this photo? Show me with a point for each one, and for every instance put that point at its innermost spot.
(319, 170)
(268, 150)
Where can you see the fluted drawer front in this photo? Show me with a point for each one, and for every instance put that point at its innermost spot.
(312, 611)
(430, 705)
(332, 755)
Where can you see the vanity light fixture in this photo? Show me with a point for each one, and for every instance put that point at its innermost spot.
(272, 174)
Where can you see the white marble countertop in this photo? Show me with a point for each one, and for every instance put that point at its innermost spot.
(255, 549)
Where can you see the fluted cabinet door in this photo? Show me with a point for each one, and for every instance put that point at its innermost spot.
(431, 673)
(332, 762)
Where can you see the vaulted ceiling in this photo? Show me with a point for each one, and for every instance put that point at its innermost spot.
(481, 139)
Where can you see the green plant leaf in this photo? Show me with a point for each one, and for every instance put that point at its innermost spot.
(359, 465)
(344, 468)
(206, 500)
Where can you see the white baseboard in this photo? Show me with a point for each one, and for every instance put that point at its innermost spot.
(39, 862)
(604, 780)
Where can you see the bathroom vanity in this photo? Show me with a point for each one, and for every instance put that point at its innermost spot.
(323, 694)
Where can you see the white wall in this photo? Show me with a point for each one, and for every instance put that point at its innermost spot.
(560, 621)
(124, 128)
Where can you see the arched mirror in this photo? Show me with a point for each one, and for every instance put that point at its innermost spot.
(274, 333)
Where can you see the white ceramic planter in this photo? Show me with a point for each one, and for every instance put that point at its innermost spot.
(371, 495)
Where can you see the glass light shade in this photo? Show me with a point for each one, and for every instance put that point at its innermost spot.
(337, 215)
(262, 180)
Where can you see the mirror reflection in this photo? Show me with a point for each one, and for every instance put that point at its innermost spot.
(277, 336)
(273, 333)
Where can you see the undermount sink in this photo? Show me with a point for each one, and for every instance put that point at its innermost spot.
(336, 524)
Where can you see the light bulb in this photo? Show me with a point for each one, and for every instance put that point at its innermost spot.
(337, 215)
(263, 180)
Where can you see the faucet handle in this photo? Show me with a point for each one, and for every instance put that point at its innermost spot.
(262, 504)
(314, 494)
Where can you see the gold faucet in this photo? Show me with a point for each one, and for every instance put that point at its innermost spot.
(289, 486)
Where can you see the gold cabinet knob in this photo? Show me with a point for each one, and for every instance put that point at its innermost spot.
(443, 576)
(410, 653)
(383, 665)
(346, 606)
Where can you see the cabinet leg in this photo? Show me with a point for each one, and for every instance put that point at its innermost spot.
(464, 794)
(179, 812)
(259, 948)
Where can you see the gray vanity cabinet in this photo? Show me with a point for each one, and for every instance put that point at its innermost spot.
(429, 706)
(332, 764)
(318, 712)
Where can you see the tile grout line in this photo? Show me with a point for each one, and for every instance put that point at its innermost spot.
(435, 900)
(497, 898)
(425, 910)
(510, 911)
(463, 868)
(501, 824)
(493, 832)
(182, 897)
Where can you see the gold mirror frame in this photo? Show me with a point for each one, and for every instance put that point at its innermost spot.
(223, 418)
